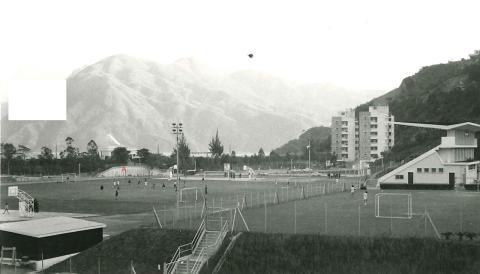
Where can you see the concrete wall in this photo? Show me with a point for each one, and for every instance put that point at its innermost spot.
(430, 177)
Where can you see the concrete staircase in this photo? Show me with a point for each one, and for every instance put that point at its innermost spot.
(206, 248)
(189, 258)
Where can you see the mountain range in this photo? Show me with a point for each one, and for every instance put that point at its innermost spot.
(127, 101)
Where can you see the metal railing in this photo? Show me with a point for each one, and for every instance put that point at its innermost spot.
(198, 263)
(184, 249)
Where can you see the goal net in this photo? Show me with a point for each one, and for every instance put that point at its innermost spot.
(68, 177)
(189, 194)
(393, 205)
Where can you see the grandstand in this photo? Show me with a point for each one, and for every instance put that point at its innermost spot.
(131, 171)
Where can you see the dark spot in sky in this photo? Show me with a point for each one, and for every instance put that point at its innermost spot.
(250, 55)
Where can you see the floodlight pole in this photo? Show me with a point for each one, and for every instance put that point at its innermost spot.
(177, 128)
(309, 149)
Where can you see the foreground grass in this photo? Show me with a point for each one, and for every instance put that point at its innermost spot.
(282, 253)
(145, 247)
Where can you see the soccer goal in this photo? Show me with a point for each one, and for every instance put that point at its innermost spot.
(189, 194)
(393, 205)
(68, 177)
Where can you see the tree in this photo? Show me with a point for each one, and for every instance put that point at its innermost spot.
(8, 151)
(45, 154)
(22, 151)
(70, 151)
(92, 149)
(120, 155)
(215, 146)
(144, 154)
(184, 153)
(261, 153)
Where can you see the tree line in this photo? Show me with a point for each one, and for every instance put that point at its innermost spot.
(18, 161)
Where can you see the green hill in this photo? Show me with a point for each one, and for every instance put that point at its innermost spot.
(146, 247)
(281, 253)
(320, 140)
(439, 94)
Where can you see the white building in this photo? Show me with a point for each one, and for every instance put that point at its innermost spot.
(363, 137)
(343, 135)
(375, 132)
(449, 164)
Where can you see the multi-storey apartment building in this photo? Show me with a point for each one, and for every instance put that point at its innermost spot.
(364, 136)
(343, 135)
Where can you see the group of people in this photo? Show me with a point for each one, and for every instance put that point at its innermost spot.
(365, 194)
(116, 186)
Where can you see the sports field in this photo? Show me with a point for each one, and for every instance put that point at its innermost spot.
(335, 212)
(133, 208)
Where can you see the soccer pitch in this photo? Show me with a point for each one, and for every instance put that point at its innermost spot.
(333, 213)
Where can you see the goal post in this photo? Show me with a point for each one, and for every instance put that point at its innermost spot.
(68, 177)
(393, 205)
(184, 195)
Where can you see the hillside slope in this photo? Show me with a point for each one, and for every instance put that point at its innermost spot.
(279, 253)
(439, 94)
(146, 247)
(320, 141)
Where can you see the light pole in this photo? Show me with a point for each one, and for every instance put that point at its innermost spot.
(309, 148)
(177, 129)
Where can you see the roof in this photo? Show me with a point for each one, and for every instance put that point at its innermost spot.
(45, 227)
(462, 126)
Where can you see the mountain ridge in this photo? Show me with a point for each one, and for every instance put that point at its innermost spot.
(136, 100)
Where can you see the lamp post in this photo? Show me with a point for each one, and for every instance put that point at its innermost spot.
(309, 148)
(177, 129)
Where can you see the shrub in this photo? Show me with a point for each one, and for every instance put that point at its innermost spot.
(447, 235)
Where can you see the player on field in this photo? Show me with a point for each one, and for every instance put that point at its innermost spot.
(352, 189)
(365, 197)
(116, 194)
(6, 208)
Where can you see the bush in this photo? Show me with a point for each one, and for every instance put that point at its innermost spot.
(447, 235)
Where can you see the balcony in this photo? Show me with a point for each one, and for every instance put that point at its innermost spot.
(450, 142)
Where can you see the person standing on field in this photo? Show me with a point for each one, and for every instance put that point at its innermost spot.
(352, 190)
(365, 197)
(116, 194)
(6, 208)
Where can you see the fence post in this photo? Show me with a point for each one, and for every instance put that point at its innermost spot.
(265, 204)
(326, 215)
(295, 217)
(359, 220)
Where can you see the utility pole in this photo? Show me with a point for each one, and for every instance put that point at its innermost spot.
(79, 169)
(177, 129)
(309, 149)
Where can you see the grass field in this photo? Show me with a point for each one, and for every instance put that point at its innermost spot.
(335, 213)
(134, 207)
(287, 253)
(450, 211)
(145, 247)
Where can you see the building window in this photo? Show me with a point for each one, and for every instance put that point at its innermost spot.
(399, 177)
(419, 170)
(426, 169)
(373, 126)
(434, 170)
(440, 170)
(373, 148)
(470, 167)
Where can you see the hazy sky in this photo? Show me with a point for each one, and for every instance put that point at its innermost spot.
(356, 44)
